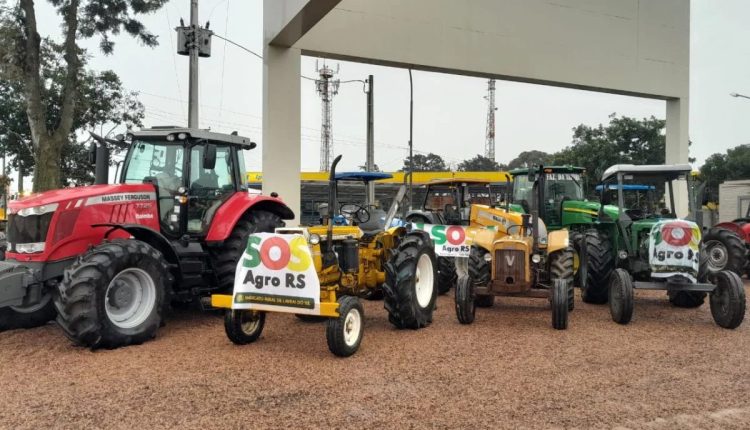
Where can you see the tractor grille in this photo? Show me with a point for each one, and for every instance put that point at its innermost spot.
(509, 267)
(28, 229)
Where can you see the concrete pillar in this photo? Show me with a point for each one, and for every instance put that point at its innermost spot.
(281, 126)
(677, 146)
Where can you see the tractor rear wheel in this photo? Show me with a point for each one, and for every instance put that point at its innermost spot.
(596, 265)
(243, 326)
(560, 303)
(113, 295)
(561, 265)
(410, 286)
(728, 300)
(29, 317)
(344, 334)
(621, 296)
(465, 307)
(446, 274)
(725, 251)
(479, 272)
(225, 258)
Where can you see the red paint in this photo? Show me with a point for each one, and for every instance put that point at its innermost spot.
(235, 207)
(459, 231)
(265, 253)
(667, 233)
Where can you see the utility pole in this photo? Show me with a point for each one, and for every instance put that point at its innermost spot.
(489, 144)
(411, 142)
(327, 88)
(370, 163)
(195, 42)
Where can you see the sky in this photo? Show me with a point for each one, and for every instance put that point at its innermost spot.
(449, 111)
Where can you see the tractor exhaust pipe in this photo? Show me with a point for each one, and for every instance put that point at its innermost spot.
(99, 156)
(331, 202)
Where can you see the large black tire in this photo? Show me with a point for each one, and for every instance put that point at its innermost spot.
(725, 251)
(243, 326)
(402, 289)
(728, 300)
(224, 259)
(84, 294)
(373, 294)
(621, 296)
(560, 302)
(561, 267)
(33, 316)
(344, 334)
(447, 274)
(479, 272)
(465, 307)
(597, 263)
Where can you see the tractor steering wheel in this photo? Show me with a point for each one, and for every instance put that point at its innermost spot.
(355, 212)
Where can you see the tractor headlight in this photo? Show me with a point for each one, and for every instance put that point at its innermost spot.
(488, 257)
(38, 210)
(623, 255)
(536, 258)
(314, 239)
(29, 248)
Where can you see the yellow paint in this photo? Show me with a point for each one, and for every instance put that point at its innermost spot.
(327, 309)
(221, 301)
(420, 178)
(557, 240)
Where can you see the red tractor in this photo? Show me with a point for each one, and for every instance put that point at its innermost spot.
(106, 259)
(728, 245)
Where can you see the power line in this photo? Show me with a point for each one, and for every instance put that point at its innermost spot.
(238, 45)
(223, 58)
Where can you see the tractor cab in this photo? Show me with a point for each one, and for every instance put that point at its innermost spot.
(448, 201)
(193, 171)
(563, 195)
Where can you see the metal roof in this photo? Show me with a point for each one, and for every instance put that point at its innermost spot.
(648, 169)
(162, 132)
(362, 176)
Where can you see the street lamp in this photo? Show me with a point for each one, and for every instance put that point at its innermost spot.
(739, 95)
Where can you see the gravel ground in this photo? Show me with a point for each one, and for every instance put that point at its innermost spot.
(670, 368)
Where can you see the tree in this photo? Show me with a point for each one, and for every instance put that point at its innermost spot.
(623, 140)
(100, 99)
(529, 158)
(426, 163)
(52, 119)
(363, 168)
(735, 164)
(480, 164)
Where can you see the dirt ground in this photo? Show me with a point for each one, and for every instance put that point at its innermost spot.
(670, 368)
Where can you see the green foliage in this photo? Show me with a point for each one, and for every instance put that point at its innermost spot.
(376, 168)
(426, 163)
(479, 164)
(733, 165)
(624, 140)
(530, 158)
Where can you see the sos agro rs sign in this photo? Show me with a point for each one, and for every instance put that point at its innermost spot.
(674, 248)
(276, 273)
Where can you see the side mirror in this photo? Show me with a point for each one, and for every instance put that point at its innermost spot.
(209, 156)
(92, 153)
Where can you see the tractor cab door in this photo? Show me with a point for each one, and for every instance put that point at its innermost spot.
(209, 185)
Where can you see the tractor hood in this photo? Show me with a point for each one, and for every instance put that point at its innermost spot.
(102, 193)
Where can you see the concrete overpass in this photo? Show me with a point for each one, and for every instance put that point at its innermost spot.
(631, 47)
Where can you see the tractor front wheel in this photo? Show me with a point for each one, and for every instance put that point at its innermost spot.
(410, 286)
(561, 264)
(560, 302)
(596, 264)
(479, 272)
(244, 326)
(113, 295)
(344, 334)
(621, 297)
(446, 274)
(465, 307)
(728, 300)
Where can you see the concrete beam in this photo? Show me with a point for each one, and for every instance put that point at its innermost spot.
(297, 26)
(677, 147)
(281, 125)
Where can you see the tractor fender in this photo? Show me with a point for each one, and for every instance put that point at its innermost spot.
(421, 214)
(736, 228)
(237, 206)
(557, 240)
(149, 236)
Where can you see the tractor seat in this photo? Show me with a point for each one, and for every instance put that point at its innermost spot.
(375, 224)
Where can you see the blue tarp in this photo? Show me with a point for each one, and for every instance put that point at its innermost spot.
(362, 176)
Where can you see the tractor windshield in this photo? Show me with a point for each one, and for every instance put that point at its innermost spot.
(563, 186)
(155, 159)
(523, 191)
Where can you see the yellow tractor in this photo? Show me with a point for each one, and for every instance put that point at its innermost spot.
(351, 261)
(512, 254)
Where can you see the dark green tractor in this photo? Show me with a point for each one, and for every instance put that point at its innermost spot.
(649, 247)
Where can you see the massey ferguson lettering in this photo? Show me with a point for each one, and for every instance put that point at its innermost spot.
(120, 198)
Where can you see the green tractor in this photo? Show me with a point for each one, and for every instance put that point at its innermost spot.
(649, 247)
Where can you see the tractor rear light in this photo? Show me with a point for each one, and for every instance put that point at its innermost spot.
(66, 222)
(29, 248)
